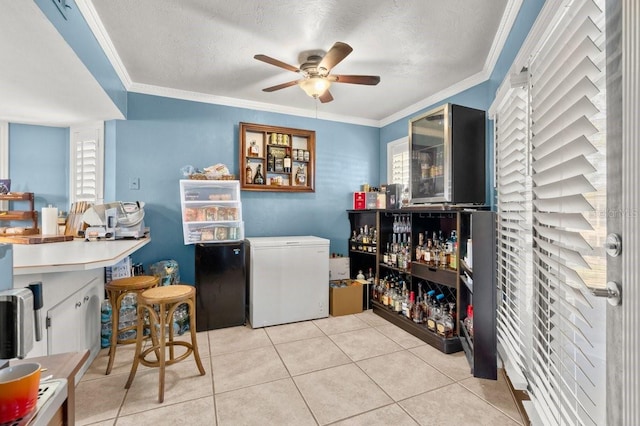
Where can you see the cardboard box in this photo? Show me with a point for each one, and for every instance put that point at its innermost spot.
(381, 201)
(372, 199)
(338, 268)
(359, 200)
(345, 300)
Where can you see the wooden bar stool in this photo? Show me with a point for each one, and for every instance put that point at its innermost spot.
(116, 291)
(166, 299)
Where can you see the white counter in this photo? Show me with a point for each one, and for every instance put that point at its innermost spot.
(76, 255)
(72, 277)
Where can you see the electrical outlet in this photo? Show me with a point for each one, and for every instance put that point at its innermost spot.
(134, 183)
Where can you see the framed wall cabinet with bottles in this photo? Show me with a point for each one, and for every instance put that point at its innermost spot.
(280, 159)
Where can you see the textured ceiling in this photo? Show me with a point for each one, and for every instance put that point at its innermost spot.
(206, 47)
(203, 50)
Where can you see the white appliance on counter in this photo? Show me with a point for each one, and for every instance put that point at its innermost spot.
(288, 279)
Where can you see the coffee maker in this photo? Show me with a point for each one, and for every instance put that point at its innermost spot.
(19, 312)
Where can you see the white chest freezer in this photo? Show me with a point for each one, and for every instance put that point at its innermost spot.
(288, 279)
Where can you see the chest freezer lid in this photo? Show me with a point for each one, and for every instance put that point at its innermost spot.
(305, 240)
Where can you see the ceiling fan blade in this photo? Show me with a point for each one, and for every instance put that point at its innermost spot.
(277, 63)
(335, 55)
(280, 86)
(326, 97)
(370, 80)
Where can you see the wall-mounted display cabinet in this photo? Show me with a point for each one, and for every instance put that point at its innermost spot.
(423, 259)
(276, 158)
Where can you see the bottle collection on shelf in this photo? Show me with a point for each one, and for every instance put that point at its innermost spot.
(398, 251)
(438, 252)
(430, 309)
(365, 240)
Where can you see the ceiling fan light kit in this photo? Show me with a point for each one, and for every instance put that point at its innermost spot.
(316, 73)
(314, 86)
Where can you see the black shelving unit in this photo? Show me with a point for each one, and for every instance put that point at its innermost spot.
(481, 350)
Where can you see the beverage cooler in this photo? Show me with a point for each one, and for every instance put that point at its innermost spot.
(220, 285)
(447, 149)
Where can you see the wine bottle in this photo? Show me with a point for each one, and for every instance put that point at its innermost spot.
(258, 179)
(287, 161)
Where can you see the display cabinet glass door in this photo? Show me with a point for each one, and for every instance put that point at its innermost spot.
(430, 165)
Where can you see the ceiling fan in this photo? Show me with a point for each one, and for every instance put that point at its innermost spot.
(316, 78)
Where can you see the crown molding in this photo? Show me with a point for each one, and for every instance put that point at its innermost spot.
(186, 95)
(437, 97)
(90, 15)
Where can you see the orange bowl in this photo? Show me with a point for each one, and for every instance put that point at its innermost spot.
(18, 390)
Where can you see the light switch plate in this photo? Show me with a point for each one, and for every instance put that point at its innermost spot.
(134, 183)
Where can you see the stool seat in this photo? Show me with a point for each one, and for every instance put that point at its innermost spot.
(138, 282)
(160, 303)
(116, 291)
(168, 294)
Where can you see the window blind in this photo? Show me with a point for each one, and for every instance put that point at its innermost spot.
(87, 167)
(567, 82)
(513, 183)
(398, 159)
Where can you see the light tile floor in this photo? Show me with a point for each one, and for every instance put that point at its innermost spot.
(349, 370)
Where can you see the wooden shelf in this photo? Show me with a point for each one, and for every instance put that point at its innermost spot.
(267, 148)
(20, 215)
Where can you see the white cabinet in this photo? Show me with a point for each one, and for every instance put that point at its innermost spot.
(74, 324)
(211, 211)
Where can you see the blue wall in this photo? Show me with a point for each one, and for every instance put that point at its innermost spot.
(38, 163)
(161, 135)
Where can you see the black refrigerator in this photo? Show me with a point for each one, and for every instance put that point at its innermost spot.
(220, 285)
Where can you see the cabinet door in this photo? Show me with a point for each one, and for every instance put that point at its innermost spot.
(74, 323)
(64, 325)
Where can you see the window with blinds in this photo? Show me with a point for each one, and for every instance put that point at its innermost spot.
(87, 153)
(514, 214)
(398, 162)
(551, 202)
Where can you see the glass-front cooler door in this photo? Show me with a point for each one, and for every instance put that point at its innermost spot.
(429, 157)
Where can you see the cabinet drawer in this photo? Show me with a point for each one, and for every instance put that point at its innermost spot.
(431, 273)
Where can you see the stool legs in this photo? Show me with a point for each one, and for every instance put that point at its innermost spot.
(158, 323)
(115, 298)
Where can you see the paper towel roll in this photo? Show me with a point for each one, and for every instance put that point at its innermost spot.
(49, 220)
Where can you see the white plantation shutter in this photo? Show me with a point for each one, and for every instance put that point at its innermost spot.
(398, 162)
(568, 158)
(87, 153)
(514, 225)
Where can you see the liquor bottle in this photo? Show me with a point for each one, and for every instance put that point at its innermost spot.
(301, 178)
(397, 301)
(287, 161)
(419, 247)
(270, 162)
(370, 276)
(418, 313)
(360, 275)
(468, 321)
(445, 324)
(253, 149)
(433, 317)
(258, 179)
(248, 175)
(427, 252)
(453, 258)
(385, 256)
(410, 305)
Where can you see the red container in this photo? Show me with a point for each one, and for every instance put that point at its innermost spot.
(18, 390)
(359, 200)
